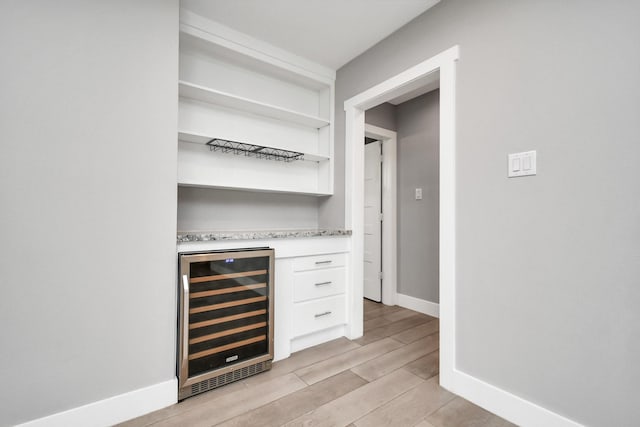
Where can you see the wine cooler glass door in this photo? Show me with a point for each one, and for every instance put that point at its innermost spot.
(226, 304)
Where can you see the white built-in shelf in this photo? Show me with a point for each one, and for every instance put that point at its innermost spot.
(256, 188)
(213, 39)
(198, 138)
(212, 96)
(240, 90)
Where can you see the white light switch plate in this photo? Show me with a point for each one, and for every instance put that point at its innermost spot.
(522, 164)
(418, 193)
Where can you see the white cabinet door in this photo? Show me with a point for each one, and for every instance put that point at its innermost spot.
(315, 284)
(319, 262)
(318, 314)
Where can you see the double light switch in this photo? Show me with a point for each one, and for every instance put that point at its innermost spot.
(522, 164)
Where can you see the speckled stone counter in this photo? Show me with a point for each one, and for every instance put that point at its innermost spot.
(258, 235)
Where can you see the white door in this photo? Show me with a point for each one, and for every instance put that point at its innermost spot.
(372, 221)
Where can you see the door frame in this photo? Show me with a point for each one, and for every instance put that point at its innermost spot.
(443, 67)
(388, 140)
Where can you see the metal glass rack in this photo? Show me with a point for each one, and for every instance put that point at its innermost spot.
(251, 150)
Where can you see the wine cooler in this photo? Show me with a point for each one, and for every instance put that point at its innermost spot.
(225, 326)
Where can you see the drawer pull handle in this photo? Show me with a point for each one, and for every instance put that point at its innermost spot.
(326, 313)
(329, 261)
(324, 283)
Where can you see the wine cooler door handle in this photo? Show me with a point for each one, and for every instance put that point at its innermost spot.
(185, 327)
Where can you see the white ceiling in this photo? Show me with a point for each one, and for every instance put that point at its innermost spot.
(328, 32)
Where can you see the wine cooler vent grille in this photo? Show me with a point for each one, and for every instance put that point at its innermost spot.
(229, 377)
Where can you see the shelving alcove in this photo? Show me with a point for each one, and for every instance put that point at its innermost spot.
(238, 89)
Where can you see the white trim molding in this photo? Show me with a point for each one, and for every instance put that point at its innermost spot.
(115, 409)
(509, 406)
(420, 305)
(441, 66)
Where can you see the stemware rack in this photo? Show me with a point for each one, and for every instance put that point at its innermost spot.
(252, 150)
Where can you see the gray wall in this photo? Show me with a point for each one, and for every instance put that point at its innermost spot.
(547, 266)
(418, 167)
(203, 209)
(88, 170)
(383, 115)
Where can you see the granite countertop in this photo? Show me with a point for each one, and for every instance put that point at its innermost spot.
(205, 236)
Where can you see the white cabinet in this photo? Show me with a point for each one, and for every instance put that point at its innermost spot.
(233, 91)
(319, 299)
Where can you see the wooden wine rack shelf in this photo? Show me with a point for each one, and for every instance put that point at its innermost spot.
(227, 276)
(227, 290)
(226, 305)
(227, 319)
(227, 333)
(222, 348)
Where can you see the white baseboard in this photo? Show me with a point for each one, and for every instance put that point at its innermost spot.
(115, 409)
(416, 304)
(502, 403)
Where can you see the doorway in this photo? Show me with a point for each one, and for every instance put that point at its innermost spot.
(388, 207)
(440, 67)
(372, 219)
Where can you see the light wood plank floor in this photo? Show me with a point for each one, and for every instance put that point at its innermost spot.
(389, 377)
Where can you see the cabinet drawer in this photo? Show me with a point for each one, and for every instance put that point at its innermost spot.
(318, 283)
(319, 261)
(315, 315)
